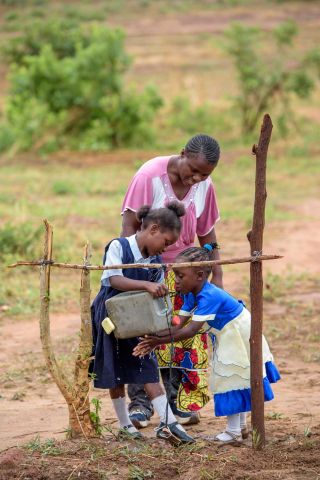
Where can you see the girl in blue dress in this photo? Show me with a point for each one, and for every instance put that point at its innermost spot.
(114, 365)
(230, 322)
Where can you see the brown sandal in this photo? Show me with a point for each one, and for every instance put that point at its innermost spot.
(235, 440)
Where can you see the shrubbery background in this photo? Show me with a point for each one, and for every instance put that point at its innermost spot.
(69, 88)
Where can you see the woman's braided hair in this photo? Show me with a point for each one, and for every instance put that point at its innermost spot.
(204, 145)
(168, 217)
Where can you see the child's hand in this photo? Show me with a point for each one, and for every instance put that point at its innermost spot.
(156, 289)
(145, 346)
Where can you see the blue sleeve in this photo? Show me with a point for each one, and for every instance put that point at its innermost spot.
(188, 305)
(207, 307)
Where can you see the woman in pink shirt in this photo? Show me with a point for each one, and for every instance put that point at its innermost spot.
(186, 178)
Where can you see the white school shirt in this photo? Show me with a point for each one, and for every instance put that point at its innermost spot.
(114, 257)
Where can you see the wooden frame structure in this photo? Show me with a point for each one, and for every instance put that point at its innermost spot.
(76, 393)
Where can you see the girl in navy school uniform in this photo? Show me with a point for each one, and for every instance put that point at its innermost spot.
(230, 322)
(114, 365)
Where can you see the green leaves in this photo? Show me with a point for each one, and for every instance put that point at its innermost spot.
(285, 33)
(73, 95)
(267, 82)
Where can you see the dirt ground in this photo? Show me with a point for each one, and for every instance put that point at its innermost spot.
(34, 416)
(32, 406)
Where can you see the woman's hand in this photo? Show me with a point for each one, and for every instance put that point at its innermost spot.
(145, 346)
(156, 289)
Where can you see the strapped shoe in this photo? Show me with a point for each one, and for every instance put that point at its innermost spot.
(139, 418)
(185, 418)
(173, 434)
(129, 432)
(235, 440)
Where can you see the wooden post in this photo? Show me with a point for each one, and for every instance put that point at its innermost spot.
(81, 378)
(75, 393)
(45, 337)
(255, 237)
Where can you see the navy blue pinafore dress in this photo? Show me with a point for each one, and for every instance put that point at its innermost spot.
(114, 363)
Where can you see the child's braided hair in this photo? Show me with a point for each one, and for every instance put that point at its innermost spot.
(198, 254)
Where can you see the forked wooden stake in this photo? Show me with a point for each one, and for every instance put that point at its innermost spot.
(76, 392)
(81, 401)
(45, 337)
(255, 237)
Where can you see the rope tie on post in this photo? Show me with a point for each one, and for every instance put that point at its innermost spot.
(256, 255)
(44, 262)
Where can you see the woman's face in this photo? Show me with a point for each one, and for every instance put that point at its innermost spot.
(193, 168)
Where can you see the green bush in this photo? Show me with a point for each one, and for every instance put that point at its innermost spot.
(73, 95)
(62, 187)
(268, 83)
(18, 239)
(63, 35)
(11, 16)
(6, 137)
(125, 120)
(12, 3)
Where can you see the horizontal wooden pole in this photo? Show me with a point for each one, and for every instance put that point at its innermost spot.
(149, 265)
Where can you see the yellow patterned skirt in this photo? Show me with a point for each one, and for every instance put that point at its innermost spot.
(191, 356)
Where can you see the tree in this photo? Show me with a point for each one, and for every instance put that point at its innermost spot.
(73, 94)
(268, 80)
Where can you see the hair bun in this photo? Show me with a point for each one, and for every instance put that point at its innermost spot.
(177, 208)
(143, 212)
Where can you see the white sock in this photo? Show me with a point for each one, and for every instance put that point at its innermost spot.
(243, 420)
(233, 426)
(121, 409)
(160, 406)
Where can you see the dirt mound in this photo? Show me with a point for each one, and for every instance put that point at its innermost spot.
(287, 457)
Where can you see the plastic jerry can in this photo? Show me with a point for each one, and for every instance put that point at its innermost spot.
(137, 313)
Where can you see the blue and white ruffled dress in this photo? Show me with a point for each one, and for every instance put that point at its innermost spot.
(230, 322)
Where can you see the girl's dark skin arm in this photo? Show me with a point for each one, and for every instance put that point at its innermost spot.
(149, 342)
(216, 270)
(126, 284)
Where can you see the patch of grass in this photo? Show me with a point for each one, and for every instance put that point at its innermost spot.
(30, 369)
(62, 187)
(37, 13)
(47, 447)
(277, 285)
(255, 438)
(86, 208)
(275, 415)
(11, 16)
(18, 239)
(18, 396)
(137, 473)
(206, 475)
(82, 13)
(95, 415)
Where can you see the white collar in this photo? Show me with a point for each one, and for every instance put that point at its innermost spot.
(137, 255)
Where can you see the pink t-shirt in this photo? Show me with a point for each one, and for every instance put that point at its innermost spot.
(151, 186)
